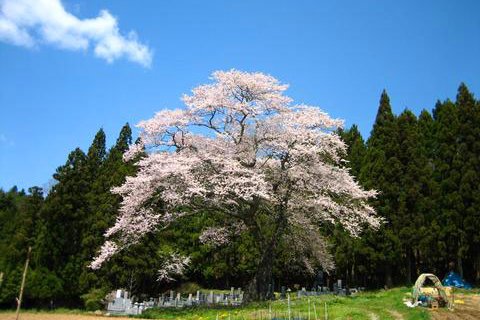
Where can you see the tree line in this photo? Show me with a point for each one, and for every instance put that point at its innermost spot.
(425, 168)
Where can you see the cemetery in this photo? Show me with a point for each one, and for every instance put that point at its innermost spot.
(119, 302)
(122, 304)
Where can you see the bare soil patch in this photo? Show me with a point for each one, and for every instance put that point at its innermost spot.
(56, 316)
(395, 314)
(470, 310)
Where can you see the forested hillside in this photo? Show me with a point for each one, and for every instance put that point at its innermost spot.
(426, 168)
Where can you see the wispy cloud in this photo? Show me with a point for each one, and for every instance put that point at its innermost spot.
(29, 23)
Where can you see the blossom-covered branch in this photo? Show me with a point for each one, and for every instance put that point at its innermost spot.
(172, 266)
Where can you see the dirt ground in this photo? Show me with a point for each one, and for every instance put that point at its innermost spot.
(469, 310)
(55, 316)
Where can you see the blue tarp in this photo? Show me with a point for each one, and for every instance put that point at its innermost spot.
(453, 279)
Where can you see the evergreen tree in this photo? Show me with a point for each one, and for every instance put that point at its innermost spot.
(415, 191)
(96, 153)
(60, 242)
(468, 159)
(96, 157)
(19, 213)
(381, 171)
(136, 270)
(348, 250)
(429, 253)
(356, 149)
(447, 176)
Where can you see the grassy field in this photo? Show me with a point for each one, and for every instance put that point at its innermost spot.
(378, 305)
(372, 305)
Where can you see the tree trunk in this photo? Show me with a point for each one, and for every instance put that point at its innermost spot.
(20, 296)
(409, 266)
(388, 276)
(259, 288)
(476, 266)
(417, 263)
(460, 265)
(347, 273)
(353, 280)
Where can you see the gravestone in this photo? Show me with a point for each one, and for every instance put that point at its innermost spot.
(283, 293)
(178, 299)
(270, 295)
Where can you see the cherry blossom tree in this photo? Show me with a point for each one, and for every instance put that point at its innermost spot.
(240, 149)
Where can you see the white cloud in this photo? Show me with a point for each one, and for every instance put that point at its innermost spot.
(32, 22)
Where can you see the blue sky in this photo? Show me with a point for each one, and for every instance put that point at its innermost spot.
(338, 55)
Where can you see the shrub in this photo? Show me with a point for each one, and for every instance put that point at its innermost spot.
(94, 299)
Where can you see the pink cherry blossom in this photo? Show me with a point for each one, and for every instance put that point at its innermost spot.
(240, 147)
(173, 266)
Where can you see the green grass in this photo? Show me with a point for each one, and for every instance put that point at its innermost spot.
(362, 306)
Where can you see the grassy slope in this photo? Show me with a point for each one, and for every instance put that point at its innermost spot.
(362, 306)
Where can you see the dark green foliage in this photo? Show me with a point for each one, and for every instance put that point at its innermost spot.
(66, 230)
(356, 149)
(19, 219)
(63, 218)
(380, 170)
(467, 165)
(426, 171)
